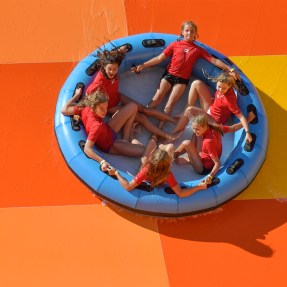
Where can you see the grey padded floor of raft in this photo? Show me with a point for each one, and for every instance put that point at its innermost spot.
(142, 88)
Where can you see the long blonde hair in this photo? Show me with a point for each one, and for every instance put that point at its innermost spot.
(202, 120)
(223, 77)
(159, 165)
(94, 99)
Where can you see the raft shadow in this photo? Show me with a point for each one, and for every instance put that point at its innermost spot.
(245, 224)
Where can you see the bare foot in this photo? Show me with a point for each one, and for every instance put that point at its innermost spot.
(182, 160)
(136, 141)
(136, 128)
(171, 138)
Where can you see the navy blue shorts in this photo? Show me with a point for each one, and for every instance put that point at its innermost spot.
(206, 171)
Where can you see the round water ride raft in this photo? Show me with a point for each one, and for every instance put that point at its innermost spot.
(240, 162)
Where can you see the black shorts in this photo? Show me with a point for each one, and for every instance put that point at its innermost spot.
(173, 80)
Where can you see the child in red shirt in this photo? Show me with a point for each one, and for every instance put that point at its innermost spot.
(156, 166)
(107, 80)
(92, 110)
(184, 54)
(205, 159)
(225, 101)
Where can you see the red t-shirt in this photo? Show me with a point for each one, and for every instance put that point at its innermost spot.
(184, 55)
(211, 147)
(223, 106)
(98, 132)
(142, 175)
(109, 86)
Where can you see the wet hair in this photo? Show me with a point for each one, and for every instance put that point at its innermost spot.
(159, 166)
(202, 120)
(223, 77)
(189, 23)
(94, 99)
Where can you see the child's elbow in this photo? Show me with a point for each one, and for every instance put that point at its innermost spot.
(87, 151)
(64, 111)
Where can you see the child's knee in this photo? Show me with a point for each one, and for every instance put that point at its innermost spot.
(132, 107)
(188, 111)
(170, 149)
(186, 143)
(196, 83)
(141, 118)
(168, 109)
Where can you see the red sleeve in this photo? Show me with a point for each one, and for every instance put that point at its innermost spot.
(96, 84)
(78, 110)
(205, 54)
(171, 180)
(232, 103)
(141, 176)
(169, 49)
(225, 128)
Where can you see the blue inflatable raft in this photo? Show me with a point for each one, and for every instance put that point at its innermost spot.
(240, 163)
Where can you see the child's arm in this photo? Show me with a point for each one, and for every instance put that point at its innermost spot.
(238, 126)
(188, 191)
(218, 63)
(124, 183)
(68, 109)
(89, 151)
(215, 169)
(154, 61)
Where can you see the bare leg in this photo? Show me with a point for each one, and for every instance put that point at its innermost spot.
(182, 123)
(188, 114)
(169, 148)
(158, 115)
(145, 122)
(151, 146)
(164, 87)
(124, 118)
(148, 111)
(193, 155)
(126, 148)
(198, 90)
(180, 149)
(175, 95)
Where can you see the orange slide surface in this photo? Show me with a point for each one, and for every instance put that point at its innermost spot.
(54, 232)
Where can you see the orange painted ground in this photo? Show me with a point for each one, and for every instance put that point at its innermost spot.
(54, 232)
(33, 170)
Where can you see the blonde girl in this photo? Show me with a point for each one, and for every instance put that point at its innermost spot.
(93, 110)
(156, 169)
(204, 154)
(224, 103)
